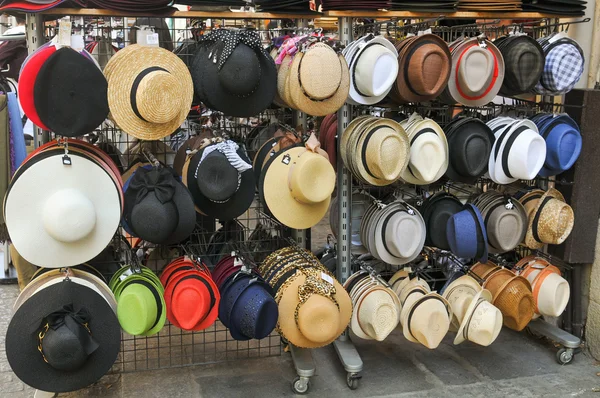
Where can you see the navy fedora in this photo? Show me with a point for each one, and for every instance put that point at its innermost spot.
(563, 142)
(466, 234)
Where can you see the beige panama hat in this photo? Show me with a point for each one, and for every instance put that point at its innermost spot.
(319, 80)
(376, 313)
(425, 318)
(459, 295)
(551, 222)
(428, 152)
(482, 321)
(150, 91)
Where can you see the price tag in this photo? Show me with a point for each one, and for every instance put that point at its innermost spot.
(327, 278)
(427, 31)
(410, 34)
(64, 34)
(125, 274)
(152, 39)
(420, 33)
(557, 37)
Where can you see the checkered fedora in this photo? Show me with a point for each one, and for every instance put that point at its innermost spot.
(563, 67)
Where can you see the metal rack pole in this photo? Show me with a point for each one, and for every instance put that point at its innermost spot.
(343, 345)
(302, 357)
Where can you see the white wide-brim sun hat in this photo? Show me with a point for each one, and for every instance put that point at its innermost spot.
(64, 220)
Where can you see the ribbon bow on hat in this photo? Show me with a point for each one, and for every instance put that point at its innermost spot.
(314, 284)
(227, 41)
(158, 181)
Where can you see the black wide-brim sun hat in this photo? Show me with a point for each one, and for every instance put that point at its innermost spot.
(22, 338)
(244, 86)
(231, 208)
(70, 93)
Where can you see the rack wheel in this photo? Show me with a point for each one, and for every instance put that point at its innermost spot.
(301, 385)
(353, 380)
(565, 356)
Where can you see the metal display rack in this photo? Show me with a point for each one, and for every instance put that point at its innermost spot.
(173, 347)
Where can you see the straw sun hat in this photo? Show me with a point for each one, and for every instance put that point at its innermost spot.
(551, 222)
(150, 91)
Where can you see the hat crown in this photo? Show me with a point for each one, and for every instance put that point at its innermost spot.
(378, 314)
(311, 179)
(476, 70)
(157, 96)
(69, 215)
(472, 152)
(460, 298)
(485, 323)
(241, 73)
(433, 68)
(376, 70)
(216, 178)
(401, 234)
(320, 72)
(136, 309)
(382, 148)
(428, 154)
(319, 319)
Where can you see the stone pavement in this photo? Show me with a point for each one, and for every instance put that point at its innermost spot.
(517, 364)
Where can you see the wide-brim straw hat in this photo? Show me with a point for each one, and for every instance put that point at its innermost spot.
(159, 83)
(516, 303)
(424, 68)
(482, 322)
(297, 187)
(426, 319)
(319, 80)
(319, 320)
(376, 313)
(68, 219)
(551, 222)
(477, 72)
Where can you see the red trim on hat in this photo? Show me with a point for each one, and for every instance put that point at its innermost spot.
(490, 86)
(27, 83)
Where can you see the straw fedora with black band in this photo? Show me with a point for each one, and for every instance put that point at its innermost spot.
(551, 222)
(319, 80)
(63, 338)
(373, 69)
(243, 80)
(298, 184)
(150, 91)
(425, 318)
(424, 68)
(75, 215)
(221, 180)
(459, 294)
(482, 322)
(477, 72)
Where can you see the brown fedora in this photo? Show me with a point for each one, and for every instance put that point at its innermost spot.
(424, 68)
(515, 300)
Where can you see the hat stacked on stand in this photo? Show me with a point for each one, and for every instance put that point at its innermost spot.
(272, 147)
(312, 77)
(551, 292)
(425, 316)
(393, 231)
(191, 296)
(423, 69)
(437, 210)
(56, 99)
(70, 218)
(241, 79)
(563, 65)
(475, 318)
(489, 5)
(328, 137)
(372, 61)
(247, 304)
(428, 151)
(572, 8)
(65, 335)
(314, 309)
(335, 5)
(220, 179)
(477, 72)
(296, 184)
(466, 234)
(445, 6)
(519, 152)
(141, 307)
(550, 218)
(511, 294)
(301, 6)
(158, 207)
(360, 204)
(470, 144)
(563, 142)
(376, 306)
(375, 150)
(505, 221)
(524, 62)
(150, 91)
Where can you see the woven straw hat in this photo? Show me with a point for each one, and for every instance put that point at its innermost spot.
(376, 313)
(319, 80)
(497, 280)
(398, 277)
(530, 201)
(150, 91)
(484, 270)
(428, 152)
(426, 319)
(516, 303)
(459, 294)
(283, 74)
(482, 321)
(320, 321)
(551, 222)
(298, 185)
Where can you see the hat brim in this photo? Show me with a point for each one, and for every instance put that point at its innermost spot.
(469, 313)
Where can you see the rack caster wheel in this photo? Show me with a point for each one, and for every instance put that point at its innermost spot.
(565, 356)
(353, 380)
(301, 385)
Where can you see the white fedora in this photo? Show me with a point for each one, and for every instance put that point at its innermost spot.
(428, 152)
(65, 220)
(459, 295)
(482, 322)
(500, 126)
(521, 154)
(376, 313)
(425, 319)
(373, 64)
(551, 292)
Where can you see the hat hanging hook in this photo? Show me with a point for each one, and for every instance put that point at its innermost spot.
(151, 158)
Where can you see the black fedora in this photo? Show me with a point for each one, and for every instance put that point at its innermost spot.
(470, 143)
(77, 333)
(436, 211)
(70, 93)
(158, 208)
(523, 61)
(243, 80)
(221, 180)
